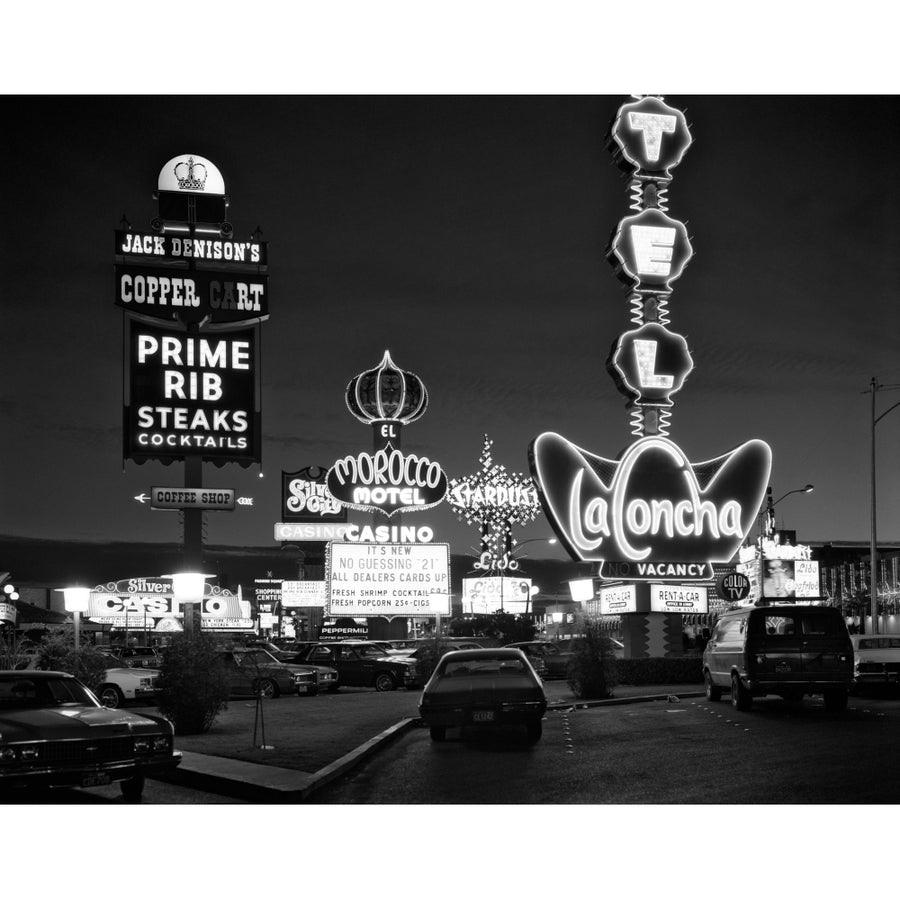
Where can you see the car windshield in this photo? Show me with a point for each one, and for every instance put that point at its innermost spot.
(257, 657)
(40, 693)
(485, 665)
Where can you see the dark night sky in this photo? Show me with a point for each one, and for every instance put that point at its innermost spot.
(466, 234)
(457, 214)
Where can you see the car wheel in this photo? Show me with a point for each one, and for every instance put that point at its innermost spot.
(740, 696)
(712, 692)
(836, 701)
(265, 687)
(438, 732)
(133, 789)
(110, 696)
(535, 730)
(384, 682)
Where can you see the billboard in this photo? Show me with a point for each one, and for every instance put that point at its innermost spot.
(162, 293)
(783, 578)
(487, 595)
(679, 598)
(304, 497)
(191, 394)
(388, 579)
(303, 593)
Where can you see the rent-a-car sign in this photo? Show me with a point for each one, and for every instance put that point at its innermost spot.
(388, 579)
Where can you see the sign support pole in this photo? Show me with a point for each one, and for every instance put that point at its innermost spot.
(193, 537)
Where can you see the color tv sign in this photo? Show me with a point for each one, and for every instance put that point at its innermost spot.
(651, 515)
(191, 394)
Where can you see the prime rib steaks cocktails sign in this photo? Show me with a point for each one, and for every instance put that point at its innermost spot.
(650, 514)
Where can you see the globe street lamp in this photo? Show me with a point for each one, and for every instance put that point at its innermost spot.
(77, 600)
(188, 588)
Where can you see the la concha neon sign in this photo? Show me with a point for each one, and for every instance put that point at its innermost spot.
(651, 514)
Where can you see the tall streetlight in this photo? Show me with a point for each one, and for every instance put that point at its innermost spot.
(770, 525)
(770, 504)
(188, 588)
(874, 387)
(77, 600)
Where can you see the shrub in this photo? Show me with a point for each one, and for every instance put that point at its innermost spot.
(660, 670)
(57, 653)
(192, 687)
(592, 669)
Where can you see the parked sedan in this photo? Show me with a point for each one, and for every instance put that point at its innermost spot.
(876, 659)
(255, 671)
(55, 733)
(553, 659)
(362, 664)
(483, 688)
(127, 683)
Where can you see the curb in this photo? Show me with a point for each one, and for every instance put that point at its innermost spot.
(256, 783)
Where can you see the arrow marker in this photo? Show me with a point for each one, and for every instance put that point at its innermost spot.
(142, 498)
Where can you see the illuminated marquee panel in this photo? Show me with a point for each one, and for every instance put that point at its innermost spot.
(681, 599)
(482, 596)
(191, 395)
(388, 579)
(303, 593)
(130, 600)
(305, 498)
(651, 515)
(615, 601)
(182, 248)
(164, 293)
(388, 482)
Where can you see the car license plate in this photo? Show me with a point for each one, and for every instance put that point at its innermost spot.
(484, 715)
(94, 780)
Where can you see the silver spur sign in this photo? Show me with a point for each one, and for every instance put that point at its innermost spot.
(650, 515)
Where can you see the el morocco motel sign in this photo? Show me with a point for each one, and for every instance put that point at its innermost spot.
(650, 515)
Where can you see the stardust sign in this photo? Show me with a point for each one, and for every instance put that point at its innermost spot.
(388, 579)
(388, 481)
(192, 394)
(651, 515)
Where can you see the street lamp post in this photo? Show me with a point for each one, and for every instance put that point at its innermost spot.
(188, 588)
(769, 516)
(77, 600)
(874, 387)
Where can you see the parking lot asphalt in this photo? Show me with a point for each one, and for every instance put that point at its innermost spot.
(284, 750)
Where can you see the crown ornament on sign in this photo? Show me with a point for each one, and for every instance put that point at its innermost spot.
(191, 176)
